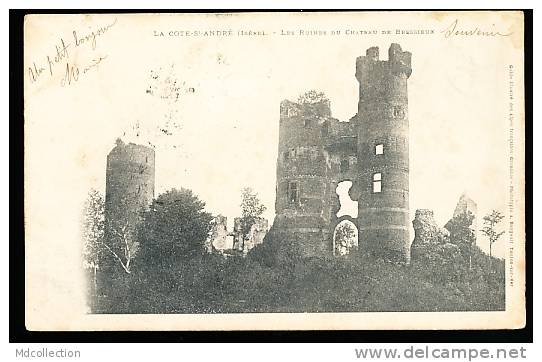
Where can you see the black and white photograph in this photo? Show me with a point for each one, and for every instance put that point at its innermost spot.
(261, 171)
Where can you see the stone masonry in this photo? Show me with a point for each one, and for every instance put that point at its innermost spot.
(129, 187)
(317, 152)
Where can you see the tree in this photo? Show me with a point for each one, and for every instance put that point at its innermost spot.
(251, 210)
(461, 233)
(314, 104)
(312, 97)
(93, 231)
(345, 238)
(174, 229)
(100, 237)
(490, 222)
(121, 243)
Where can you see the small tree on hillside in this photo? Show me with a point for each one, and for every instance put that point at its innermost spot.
(251, 210)
(490, 222)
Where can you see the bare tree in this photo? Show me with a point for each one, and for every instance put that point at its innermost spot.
(490, 222)
(99, 238)
(123, 247)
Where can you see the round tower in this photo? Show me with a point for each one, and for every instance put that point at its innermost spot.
(302, 178)
(129, 186)
(383, 154)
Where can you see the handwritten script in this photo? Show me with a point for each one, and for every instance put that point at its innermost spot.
(60, 62)
(455, 30)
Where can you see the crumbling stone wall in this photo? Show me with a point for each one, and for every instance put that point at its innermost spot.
(426, 230)
(431, 244)
(255, 236)
(224, 241)
(218, 239)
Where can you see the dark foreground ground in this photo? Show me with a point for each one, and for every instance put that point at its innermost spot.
(213, 284)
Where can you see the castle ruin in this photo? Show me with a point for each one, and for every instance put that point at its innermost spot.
(222, 240)
(254, 237)
(316, 152)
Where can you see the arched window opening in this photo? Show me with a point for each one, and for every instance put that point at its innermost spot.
(345, 238)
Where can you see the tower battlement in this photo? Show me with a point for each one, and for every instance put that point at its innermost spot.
(399, 62)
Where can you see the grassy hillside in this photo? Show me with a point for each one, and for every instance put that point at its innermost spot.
(439, 280)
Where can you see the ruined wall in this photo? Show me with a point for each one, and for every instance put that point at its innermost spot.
(431, 243)
(426, 229)
(255, 236)
(317, 152)
(129, 185)
(219, 238)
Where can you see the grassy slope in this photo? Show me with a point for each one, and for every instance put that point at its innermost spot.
(216, 285)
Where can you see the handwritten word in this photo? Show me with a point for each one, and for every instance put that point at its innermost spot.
(34, 72)
(61, 55)
(72, 71)
(92, 36)
(452, 30)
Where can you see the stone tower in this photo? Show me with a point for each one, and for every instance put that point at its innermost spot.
(302, 177)
(383, 153)
(129, 185)
(317, 152)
